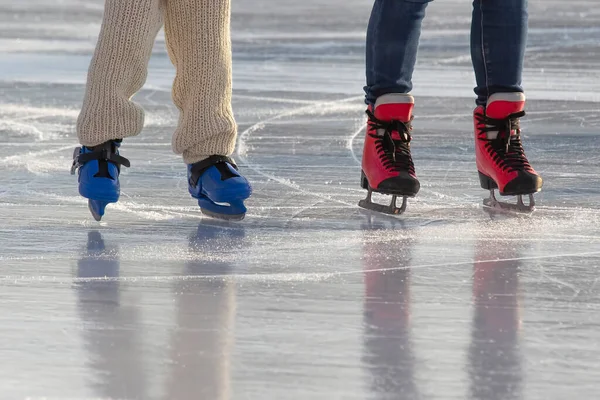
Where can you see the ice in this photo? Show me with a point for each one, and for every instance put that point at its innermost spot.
(310, 297)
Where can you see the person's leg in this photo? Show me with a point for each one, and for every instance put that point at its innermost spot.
(118, 70)
(392, 42)
(498, 40)
(199, 43)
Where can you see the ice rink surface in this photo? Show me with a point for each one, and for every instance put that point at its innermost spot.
(310, 297)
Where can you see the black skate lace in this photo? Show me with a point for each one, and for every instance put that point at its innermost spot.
(506, 149)
(104, 154)
(394, 153)
(220, 162)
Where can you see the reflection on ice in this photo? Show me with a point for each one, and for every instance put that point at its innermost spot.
(111, 327)
(494, 354)
(199, 344)
(388, 354)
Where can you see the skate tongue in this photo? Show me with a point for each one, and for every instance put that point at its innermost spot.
(394, 106)
(501, 105)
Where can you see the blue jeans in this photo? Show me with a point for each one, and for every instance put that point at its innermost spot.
(498, 39)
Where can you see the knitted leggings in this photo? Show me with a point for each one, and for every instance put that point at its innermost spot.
(199, 45)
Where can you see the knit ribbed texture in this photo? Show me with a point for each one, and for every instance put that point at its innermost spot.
(199, 44)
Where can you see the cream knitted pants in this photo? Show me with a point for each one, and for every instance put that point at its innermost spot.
(199, 45)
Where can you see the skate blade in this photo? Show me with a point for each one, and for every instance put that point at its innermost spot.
(391, 209)
(234, 211)
(97, 208)
(223, 217)
(520, 207)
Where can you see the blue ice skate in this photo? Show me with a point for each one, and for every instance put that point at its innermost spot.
(219, 188)
(99, 168)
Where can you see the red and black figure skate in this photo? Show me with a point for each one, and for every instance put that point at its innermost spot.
(501, 160)
(387, 165)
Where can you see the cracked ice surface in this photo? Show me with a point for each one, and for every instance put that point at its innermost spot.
(309, 297)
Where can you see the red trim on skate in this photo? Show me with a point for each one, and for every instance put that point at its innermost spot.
(372, 164)
(400, 112)
(500, 109)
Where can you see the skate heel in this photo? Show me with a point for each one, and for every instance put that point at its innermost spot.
(364, 182)
(487, 182)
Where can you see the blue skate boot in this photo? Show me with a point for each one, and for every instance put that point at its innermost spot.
(99, 168)
(219, 188)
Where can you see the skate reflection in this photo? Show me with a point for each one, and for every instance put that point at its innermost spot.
(203, 337)
(494, 356)
(388, 354)
(110, 329)
(201, 341)
(374, 220)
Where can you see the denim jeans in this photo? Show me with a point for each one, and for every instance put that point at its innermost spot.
(498, 38)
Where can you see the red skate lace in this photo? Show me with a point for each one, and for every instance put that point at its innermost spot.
(506, 150)
(394, 153)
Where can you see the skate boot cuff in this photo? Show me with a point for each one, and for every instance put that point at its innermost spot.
(493, 127)
(197, 169)
(394, 98)
(104, 152)
(403, 129)
(503, 105)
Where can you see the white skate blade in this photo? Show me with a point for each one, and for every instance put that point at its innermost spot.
(97, 208)
(520, 207)
(223, 217)
(391, 209)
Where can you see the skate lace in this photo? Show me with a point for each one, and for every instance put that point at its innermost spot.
(506, 150)
(394, 153)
